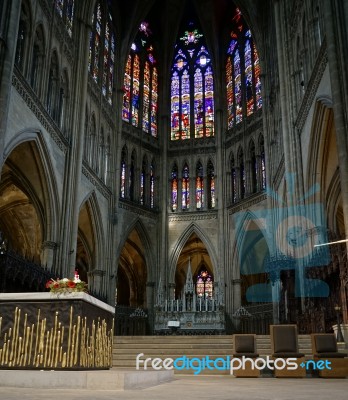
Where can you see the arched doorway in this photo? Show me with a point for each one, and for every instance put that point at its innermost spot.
(195, 256)
(132, 273)
(25, 221)
(131, 304)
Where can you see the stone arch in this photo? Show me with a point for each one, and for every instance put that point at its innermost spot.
(36, 155)
(322, 166)
(150, 259)
(136, 264)
(90, 238)
(250, 251)
(180, 244)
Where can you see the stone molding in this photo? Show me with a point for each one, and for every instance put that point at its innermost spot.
(193, 216)
(245, 204)
(314, 82)
(137, 209)
(95, 180)
(35, 105)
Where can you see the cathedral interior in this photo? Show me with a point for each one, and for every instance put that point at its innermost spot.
(189, 158)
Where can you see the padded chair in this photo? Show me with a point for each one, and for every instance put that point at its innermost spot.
(324, 346)
(284, 344)
(245, 345)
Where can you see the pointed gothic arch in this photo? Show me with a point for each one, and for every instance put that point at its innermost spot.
(90, 238)
(135, 266)
(49, 199)
(180, 244)
(251, 250)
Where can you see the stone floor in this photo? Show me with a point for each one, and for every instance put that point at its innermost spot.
(201, 387)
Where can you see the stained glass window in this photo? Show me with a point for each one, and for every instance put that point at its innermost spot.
(192, 88)
(127, 90)
(135, 92)
(102, 50)
(263, 163)
(199, 186)
(175, 106)
(65, 8)
(143, 182)
(233, 180)
(204, 283)
(249, 97)
(174, 197)
(237, 88)
(146, 97)
(243, 82)
(152, 185)
(185, 191)
(241, 173)
(141, 84)
(132, 177)
(154, 101)
(123, 174)
(211, 185)
(253, 167)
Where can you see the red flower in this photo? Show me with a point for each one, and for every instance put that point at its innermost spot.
(71, 284)
(56, 285)
(48, 284)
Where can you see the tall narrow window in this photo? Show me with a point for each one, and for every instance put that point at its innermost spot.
(22, 38)
(107, 160)
(37, 59)
(263, 163)
(243, 82)
(132, 177)
(135, 91)
(53, 88)
(146, 97)
(152, 185)
(185, 190)
(123, 173)
(65, 8)
(204, 283)
(253, 167)
(211, 185)
(192, 88)
(174, 194)
(102, 49)
(140, 84)
(233, 180)
(241, 174)
(199, 186)
(143, 182)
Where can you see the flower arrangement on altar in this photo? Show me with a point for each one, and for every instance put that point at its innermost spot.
(66, 285)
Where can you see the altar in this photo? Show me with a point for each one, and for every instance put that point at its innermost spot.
(67, 331)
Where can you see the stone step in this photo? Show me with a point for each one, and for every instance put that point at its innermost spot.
(125, 349)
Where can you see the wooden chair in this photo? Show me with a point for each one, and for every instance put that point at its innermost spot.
(284, 344)
(324, 348)
(245, 345)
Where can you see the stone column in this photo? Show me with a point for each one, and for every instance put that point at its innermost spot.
(10, 11)
(171, 291)
(97, 281)
(237, 300)
(334, 19)
(150, 302)
(72, 179)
